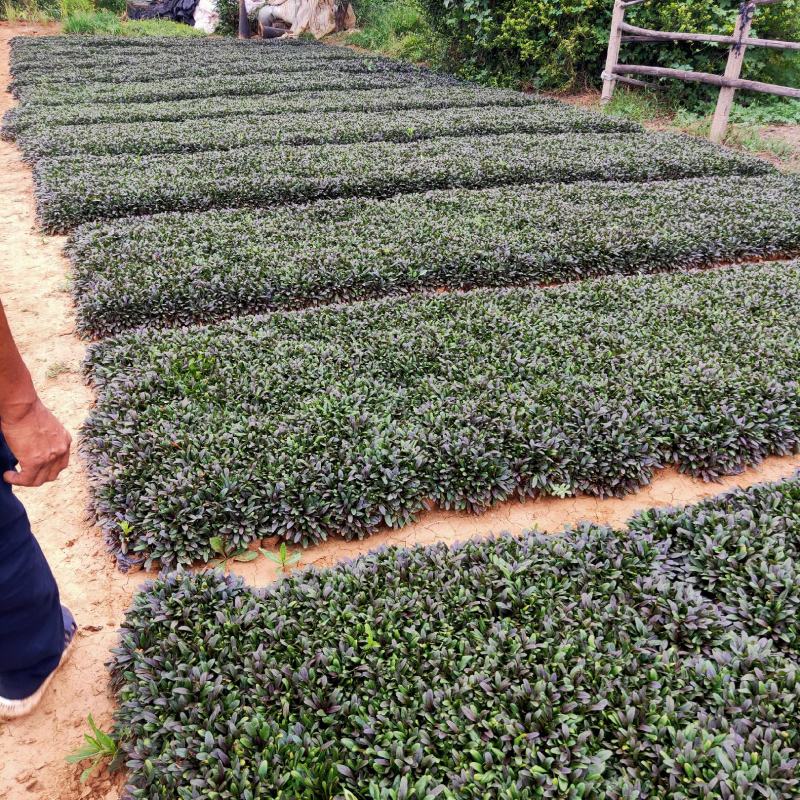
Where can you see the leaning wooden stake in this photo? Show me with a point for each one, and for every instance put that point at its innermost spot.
(733, 70)
(244, 22)
(612, 57)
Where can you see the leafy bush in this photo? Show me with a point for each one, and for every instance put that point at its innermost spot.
(29, 10)
(366, 100)
(115, 6)
(561, 45)
(173, 269)
(543, 667)
(76, 189)
(398, 28)
(200, 135)
(83, 22)
(69, 7)
(340, 420)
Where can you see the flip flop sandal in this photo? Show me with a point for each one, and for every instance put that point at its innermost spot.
(13, 709)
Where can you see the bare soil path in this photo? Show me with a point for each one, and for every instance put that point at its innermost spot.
(34, 290)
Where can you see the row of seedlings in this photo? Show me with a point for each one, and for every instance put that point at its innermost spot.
(659, 662)
(340, 420)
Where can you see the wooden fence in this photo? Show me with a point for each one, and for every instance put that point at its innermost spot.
(622, 32)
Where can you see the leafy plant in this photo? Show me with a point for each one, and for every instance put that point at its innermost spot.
(99, 747)
(226, 554)
(284, 559)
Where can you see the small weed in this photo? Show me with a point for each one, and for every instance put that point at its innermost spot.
(99, 747)
(284, 559)
(639, 106)
(242, 555)
(750, 137)
(58, 368)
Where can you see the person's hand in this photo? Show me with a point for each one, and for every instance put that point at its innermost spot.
(39, 442)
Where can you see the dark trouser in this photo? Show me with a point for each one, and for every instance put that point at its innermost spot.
(31, 626)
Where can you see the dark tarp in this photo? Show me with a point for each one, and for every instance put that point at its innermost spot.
(179, 10)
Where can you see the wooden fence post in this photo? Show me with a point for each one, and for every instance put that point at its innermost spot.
(612, 57)
(733, 70)
(244, 22)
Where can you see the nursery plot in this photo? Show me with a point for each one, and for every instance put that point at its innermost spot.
(579, 665)
(742, 550)
(98, 46)
(35, 86)
(286, 69)
(219, 85)
(319, 128)
(44, 68)
(71, 190)
(41, 118)
(179, 268)
(340, 420)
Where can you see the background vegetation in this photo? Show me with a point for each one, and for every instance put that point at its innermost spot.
(557, 45)
(98, 17)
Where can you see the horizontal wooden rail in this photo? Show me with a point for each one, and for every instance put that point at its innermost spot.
(645, 34)
(707, 77)
(633, 82)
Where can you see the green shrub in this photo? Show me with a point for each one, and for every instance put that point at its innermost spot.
(339, 420)
(69, 7)
(76, 189)
(560, 45)
(572, 666)
(41, 117)
(174, 269)
(398, 28)
(29, 10)
(92, 22)
(114, 6)
(102, 22)
(202, 135)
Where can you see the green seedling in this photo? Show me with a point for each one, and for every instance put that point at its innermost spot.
(99, 747)
(284, 559)
(242, 555)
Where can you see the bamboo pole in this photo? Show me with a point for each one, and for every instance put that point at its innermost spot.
(719, 125)
(707, 77)
(612, 57)
(645, 34)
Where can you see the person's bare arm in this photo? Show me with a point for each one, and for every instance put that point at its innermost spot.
(37, 439)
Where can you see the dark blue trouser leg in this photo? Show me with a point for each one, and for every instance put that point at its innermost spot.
(31, 626)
